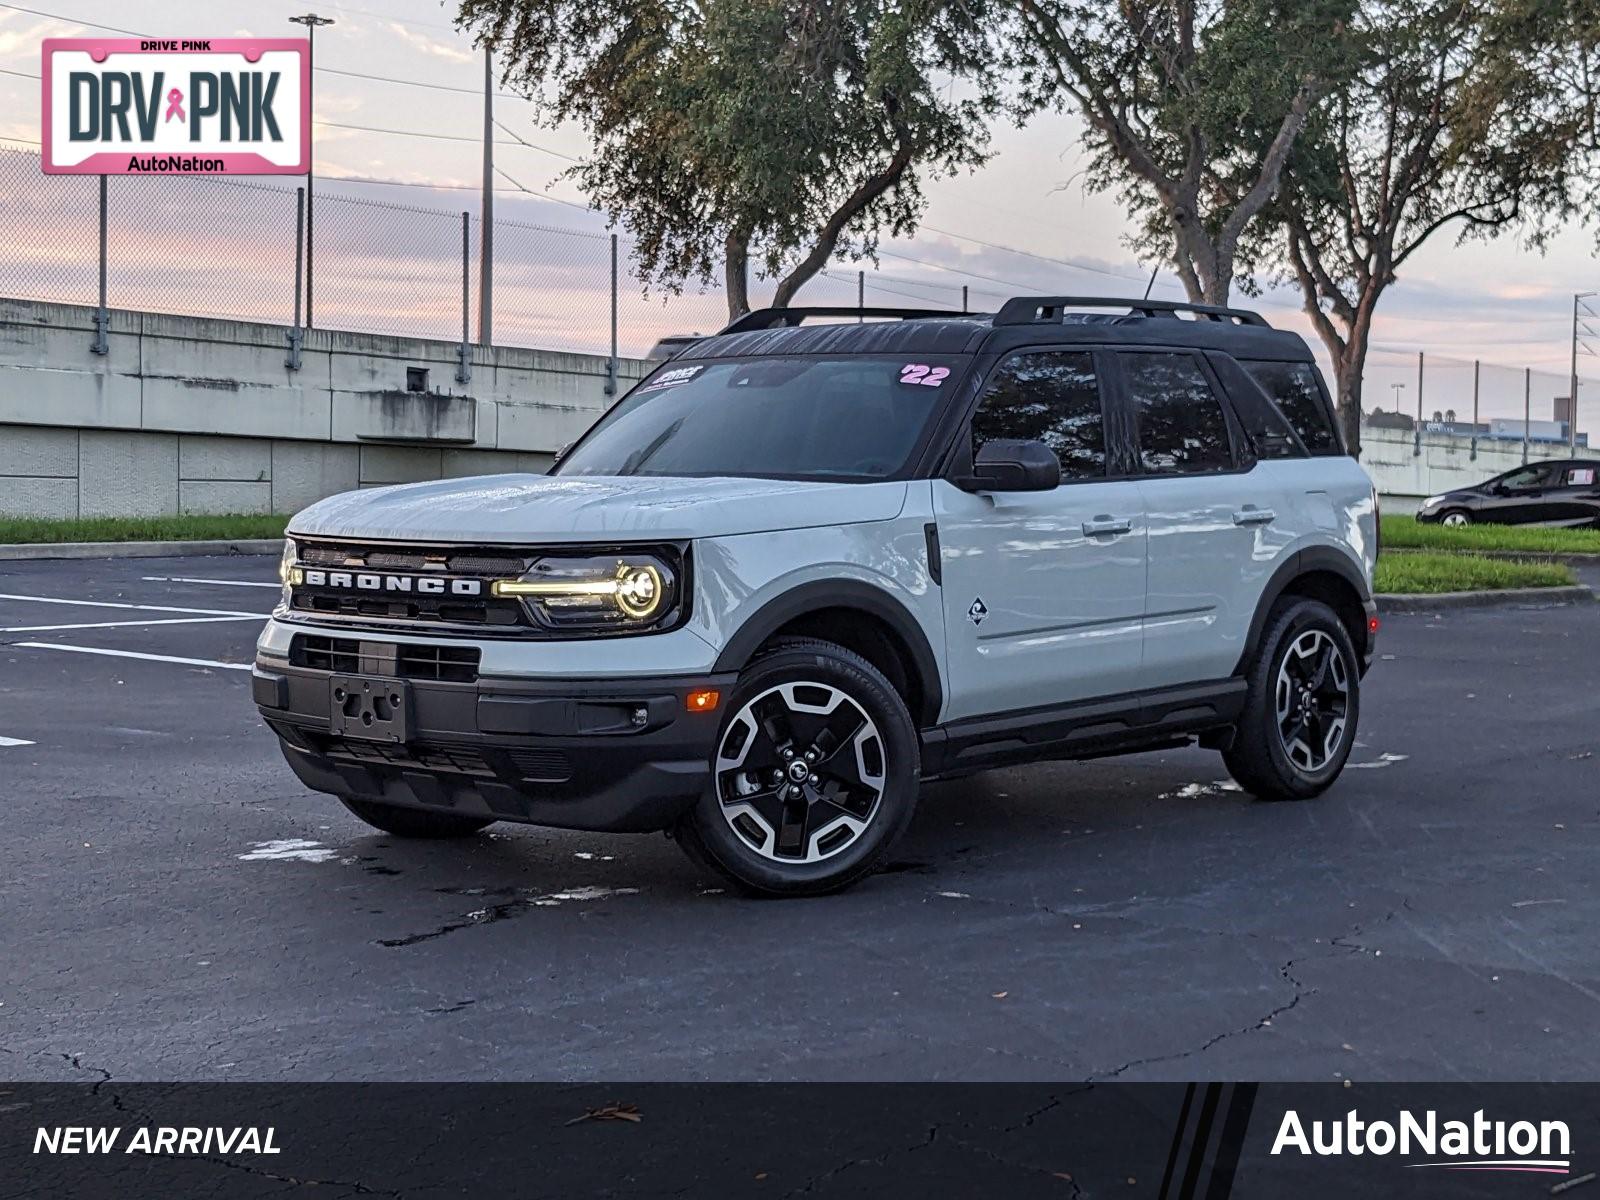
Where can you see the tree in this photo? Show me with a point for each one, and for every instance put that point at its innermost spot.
(764, 134)
(1192, 108)
(1451, 119)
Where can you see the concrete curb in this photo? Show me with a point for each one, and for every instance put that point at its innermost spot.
(139, 549)
(1438, 601)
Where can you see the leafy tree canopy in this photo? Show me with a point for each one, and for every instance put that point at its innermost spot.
(754, 134)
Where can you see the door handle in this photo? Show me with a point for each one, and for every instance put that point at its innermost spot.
(1251, 515)
(1105, 526)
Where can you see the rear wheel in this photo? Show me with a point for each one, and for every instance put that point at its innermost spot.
(413, 822)
(814, 776)
(1302, 706)
(1456, 518)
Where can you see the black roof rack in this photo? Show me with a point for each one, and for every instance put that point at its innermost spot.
(1025, 310)
(779, 318)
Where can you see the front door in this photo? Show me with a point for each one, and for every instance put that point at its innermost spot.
(1043, 591)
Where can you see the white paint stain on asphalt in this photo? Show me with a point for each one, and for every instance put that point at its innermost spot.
(552, 899)
(1194, 791)
(1383, 760)
(11, 741)
(289, 850)
(587, 857)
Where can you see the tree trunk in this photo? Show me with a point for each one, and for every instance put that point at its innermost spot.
(1347, 395)
(736, 274)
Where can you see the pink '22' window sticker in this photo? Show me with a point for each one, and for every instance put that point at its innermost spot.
(923, 374)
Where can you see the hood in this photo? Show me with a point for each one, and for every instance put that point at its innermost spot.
(538, 508)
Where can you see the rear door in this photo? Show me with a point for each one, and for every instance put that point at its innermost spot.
(1043, 591)
(1579, 494)
(1217, 525)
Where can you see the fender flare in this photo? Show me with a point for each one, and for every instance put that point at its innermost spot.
(850, 594)
(1304, 562)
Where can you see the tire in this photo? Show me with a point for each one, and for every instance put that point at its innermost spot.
(414, 822)
(1275, 753)
(806, 696)
(1455, 518)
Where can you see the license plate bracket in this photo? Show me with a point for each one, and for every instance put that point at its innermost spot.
(369, 709)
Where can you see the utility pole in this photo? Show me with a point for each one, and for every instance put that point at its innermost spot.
(486, 230)
(310, 21)
(1572, 402)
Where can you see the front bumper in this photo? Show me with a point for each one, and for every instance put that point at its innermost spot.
(616, 755)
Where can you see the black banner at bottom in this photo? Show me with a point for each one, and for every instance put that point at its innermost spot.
(1167, 1141)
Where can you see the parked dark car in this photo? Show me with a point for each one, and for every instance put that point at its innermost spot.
(1564, 492)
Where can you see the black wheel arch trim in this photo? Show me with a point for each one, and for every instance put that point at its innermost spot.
(850, 594)
(1303, 562)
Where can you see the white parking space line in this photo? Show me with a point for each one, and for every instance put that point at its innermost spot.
(5, 741)
(124, 624)
(204, 612)
(168, 658)
(214, 582)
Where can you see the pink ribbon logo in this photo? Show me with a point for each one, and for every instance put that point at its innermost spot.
(175, 106)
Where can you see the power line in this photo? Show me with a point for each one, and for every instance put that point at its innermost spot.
(436, 87)
(1063, 262)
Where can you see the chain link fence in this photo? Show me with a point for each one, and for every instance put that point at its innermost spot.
(227, 248)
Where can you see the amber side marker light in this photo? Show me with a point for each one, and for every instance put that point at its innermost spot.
(704, 701)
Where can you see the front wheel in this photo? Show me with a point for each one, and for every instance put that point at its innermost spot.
(413, 822)
(1456, 518)
(814, 775)
(1301, 709)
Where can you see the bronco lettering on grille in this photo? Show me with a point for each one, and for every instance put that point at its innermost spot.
(421, 584)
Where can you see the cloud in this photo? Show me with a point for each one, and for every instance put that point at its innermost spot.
(428, 45)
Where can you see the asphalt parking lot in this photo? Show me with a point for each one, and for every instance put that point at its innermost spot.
(177, 907)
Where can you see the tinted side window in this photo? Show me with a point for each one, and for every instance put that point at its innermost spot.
(1049, 397)
(1182, 428)
(1293, 387)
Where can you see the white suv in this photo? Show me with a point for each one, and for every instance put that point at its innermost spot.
(802, 567)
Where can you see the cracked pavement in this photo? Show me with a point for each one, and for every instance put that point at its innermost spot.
(1430, 918)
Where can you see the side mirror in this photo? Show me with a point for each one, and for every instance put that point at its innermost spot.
(1013, 465)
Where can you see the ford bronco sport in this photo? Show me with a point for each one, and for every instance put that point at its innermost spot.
(802, 567)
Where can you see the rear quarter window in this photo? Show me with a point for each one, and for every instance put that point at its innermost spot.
(1293, 387)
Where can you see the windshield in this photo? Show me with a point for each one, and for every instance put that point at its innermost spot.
(855, 417)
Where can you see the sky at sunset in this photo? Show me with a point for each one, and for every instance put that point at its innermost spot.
(996, 230)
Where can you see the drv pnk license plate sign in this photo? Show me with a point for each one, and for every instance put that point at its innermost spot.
(176, 106)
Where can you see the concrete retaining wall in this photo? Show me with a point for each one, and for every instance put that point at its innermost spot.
(190, 415)
(187, 414)
(1405, 478)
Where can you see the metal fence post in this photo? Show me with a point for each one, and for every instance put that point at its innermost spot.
(102, 319)
(1477, 366)
(297, 333)
(861, 296)
(1527, 409)
(464, 368)
(611, 366)
(964, 307)
(1416, 449)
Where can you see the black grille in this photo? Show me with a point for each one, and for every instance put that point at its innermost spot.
(350, 656)
(542, 766)
(458, 760)
(448, 559)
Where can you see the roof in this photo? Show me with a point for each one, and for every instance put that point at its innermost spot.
(1022, 321)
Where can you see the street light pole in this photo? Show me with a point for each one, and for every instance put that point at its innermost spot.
(486, 230)
(1572, 402)
(310, 21)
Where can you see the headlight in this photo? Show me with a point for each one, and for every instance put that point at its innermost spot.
(1432, 500)
(285, 567)
(611, 591)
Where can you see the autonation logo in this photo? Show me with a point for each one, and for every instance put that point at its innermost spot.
(1476, 1145)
